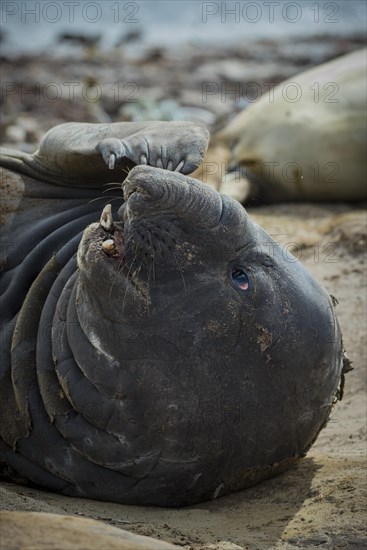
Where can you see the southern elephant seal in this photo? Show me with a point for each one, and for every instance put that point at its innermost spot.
(171, 355)
(305, 140)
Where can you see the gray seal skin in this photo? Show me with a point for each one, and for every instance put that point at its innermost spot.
(178, 356)
(89, 155)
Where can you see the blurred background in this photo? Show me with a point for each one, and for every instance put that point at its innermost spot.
(138, 60)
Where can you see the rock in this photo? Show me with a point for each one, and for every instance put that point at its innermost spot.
(80, 39)
(240, 72)
(222, 545)
(167, 109)
(24, 129)
(15, 134)
(129, 37)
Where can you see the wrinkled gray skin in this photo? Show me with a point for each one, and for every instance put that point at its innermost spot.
(89, 155)
(141, 372)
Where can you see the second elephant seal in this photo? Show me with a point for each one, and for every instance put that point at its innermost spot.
(306, 139)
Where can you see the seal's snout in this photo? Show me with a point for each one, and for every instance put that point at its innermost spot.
(150, 191)
(143, 193)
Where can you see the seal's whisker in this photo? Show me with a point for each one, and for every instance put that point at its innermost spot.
(135, 254)
(137, 275)
(114, 280)
(149, 273)
(154, 279)
(117, 185)
(127, 277)
(156, 245)
(97, 199)
(128, 273)
(150, 240)
(110, 199)
(182, 277)
(112, 189)
(152, 257)
(160, 247)
(129, 240)
(121, 267)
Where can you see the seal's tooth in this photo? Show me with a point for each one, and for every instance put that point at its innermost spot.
(106, 220)
(108, 246)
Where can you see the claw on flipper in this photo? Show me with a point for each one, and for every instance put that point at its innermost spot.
(111, 161)
(180, 166)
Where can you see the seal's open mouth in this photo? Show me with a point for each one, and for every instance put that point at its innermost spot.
(113, 236)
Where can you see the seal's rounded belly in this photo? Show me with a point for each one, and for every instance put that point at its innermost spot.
(171, 356)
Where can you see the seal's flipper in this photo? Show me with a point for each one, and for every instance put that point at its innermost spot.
(91, 155)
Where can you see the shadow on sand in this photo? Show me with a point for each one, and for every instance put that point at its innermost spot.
(258, 517)
(255, 518)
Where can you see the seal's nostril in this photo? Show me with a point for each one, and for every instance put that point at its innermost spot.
(129, 189)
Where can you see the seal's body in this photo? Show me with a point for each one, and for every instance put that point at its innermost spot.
(171, 355)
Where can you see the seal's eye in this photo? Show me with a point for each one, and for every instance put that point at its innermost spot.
(240, 279)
